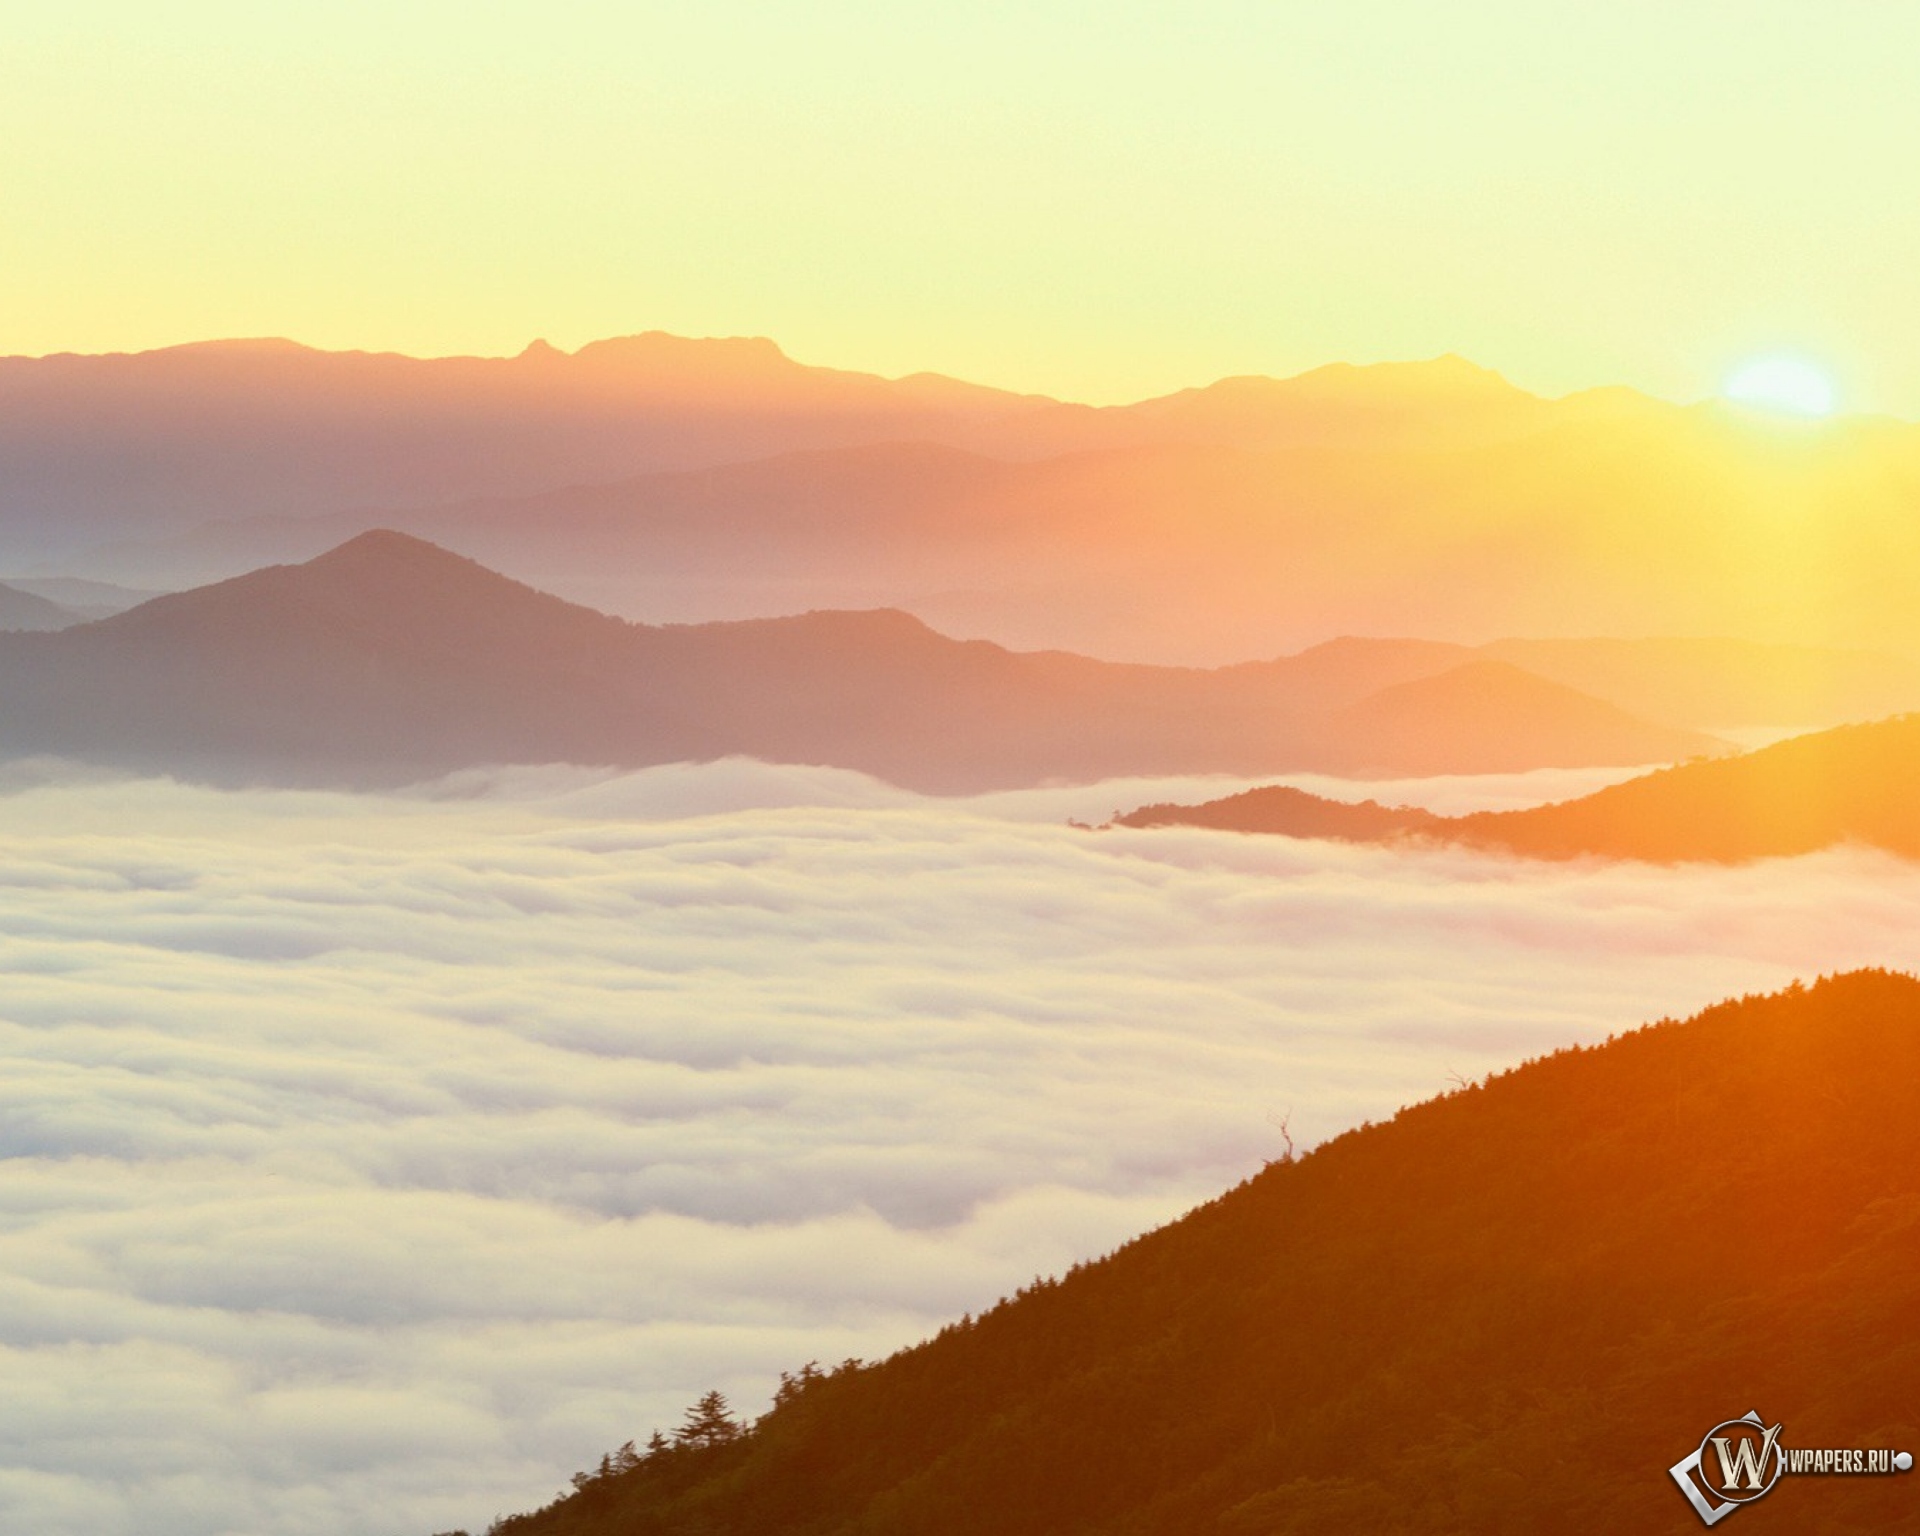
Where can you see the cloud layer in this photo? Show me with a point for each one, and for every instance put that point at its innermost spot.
(372, 1163)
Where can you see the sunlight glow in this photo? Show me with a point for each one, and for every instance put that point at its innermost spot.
(1782, 384)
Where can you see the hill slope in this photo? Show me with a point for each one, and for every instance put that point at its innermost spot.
(389, 659)
(1852, 784)
(21, 609)
(1510, 1310)
(1469, 717)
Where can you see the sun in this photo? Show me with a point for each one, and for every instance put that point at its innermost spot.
(1782, 384)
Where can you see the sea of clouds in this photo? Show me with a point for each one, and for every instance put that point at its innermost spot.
(374, 1162)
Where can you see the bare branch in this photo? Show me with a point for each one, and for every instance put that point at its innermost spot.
(1283, 1124)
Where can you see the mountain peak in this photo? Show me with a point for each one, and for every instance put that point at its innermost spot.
(387, 546)
(1481, 699)
(235, 346)
(379, 588)
(658, 351)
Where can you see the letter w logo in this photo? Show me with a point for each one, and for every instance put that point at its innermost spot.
(1754, 1462)
(1745, 1460)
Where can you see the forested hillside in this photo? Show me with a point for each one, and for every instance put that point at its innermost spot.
(1511, 1309)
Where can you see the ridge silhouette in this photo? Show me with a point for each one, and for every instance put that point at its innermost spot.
(1247, 517)
(1509, 1309)
(1850, 785)
(389, 659)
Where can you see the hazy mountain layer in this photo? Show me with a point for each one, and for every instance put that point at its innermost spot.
(1508, 1310)
(117, 446)
(80, 599)
(1853, 784)
(21, 609)
(389, 659)
(675, 480)
(130, 445)
(1724, 684)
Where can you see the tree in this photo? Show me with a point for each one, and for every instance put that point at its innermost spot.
(794, 1384)
(709, 1422)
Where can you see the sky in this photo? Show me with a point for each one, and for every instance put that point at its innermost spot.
(376, 1161)
(1097, 201)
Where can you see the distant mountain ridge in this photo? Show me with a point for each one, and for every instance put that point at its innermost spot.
(825, 529)
(22, 609)
(388, 659)
(1853, 784)
(670, 479)
(100, 448)
(78, 600)
(1510, 1309)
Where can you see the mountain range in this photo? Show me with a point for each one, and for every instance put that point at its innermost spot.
(1850, 785)
(23, 609)
(668, 479)
(151, 442)
(144, 444)
(387, 660)
(1508, 1310)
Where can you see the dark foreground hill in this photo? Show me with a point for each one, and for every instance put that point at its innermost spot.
(1854, 784)
(389, 659)
(1510, 1310)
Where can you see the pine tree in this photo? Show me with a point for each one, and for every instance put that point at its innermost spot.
(709, 1422)
(793, 1385)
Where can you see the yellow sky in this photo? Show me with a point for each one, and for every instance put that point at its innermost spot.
(1102, 201)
